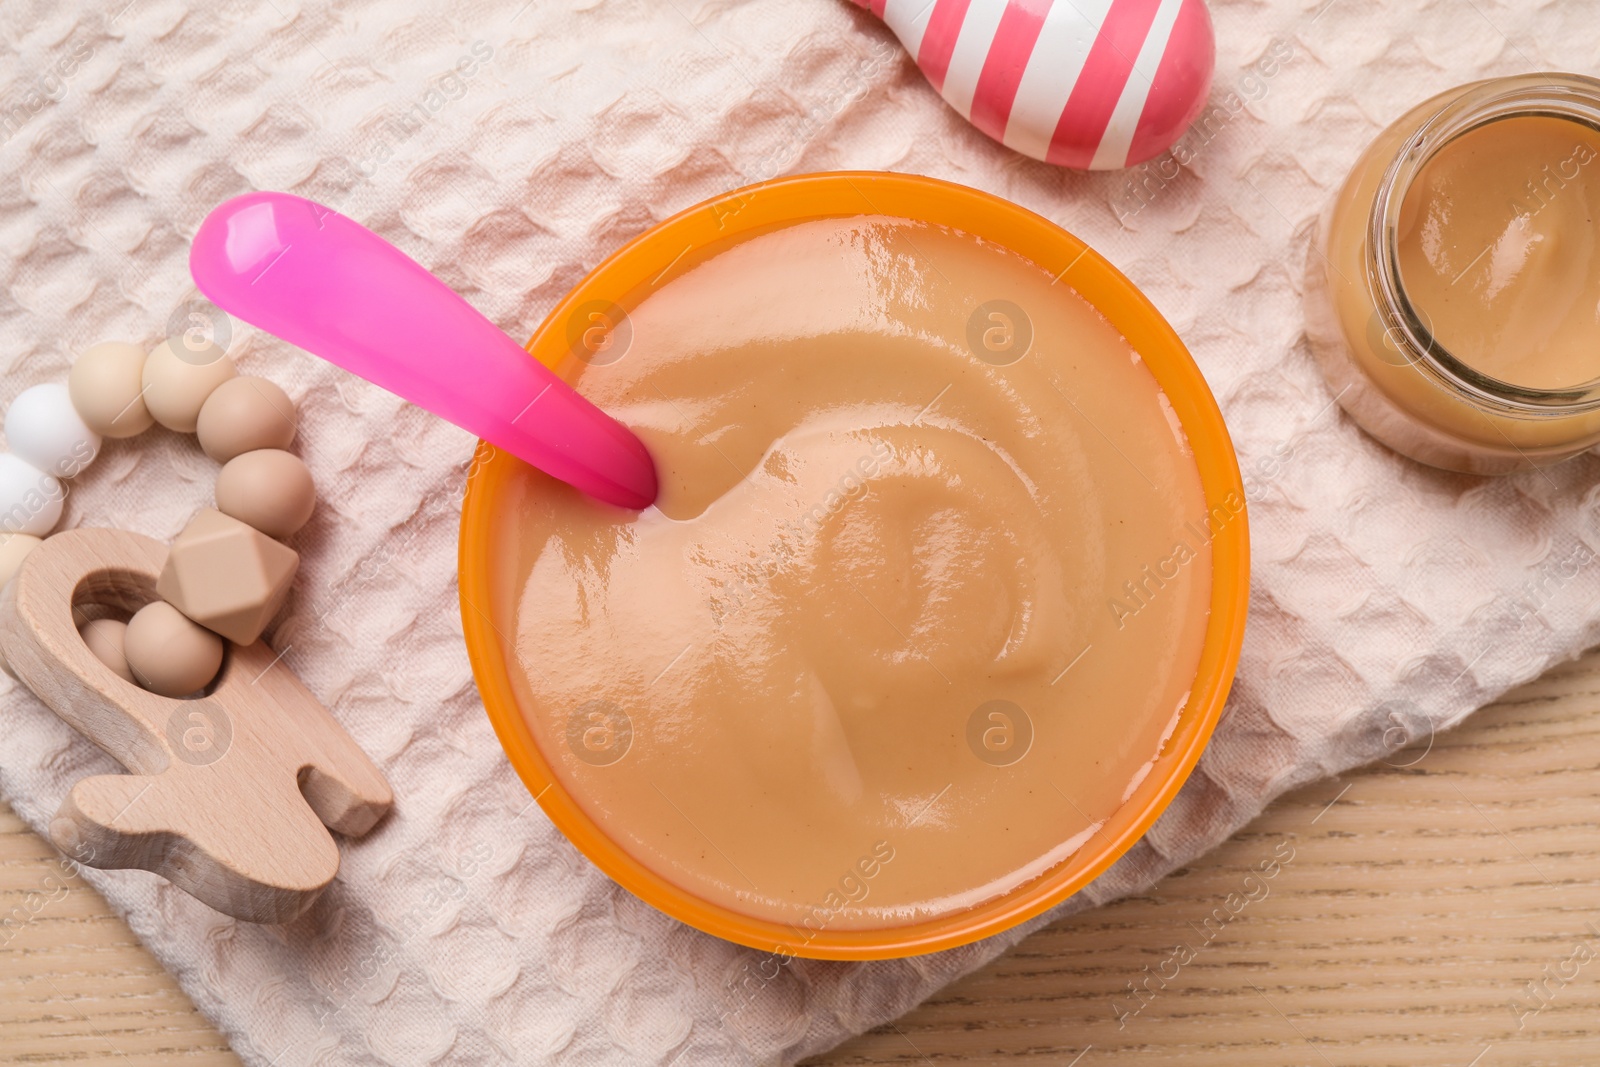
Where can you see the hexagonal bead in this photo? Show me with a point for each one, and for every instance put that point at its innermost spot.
(228, 577)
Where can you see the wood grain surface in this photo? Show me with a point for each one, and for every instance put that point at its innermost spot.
(1444, 911)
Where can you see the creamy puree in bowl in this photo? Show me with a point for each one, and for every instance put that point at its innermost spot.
(921, 600)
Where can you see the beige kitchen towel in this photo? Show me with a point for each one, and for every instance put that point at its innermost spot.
(509, 145)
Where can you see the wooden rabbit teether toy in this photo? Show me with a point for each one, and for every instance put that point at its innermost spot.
(235, 766)
(228, 793)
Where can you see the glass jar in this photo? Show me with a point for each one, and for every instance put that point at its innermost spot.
(1377, 349)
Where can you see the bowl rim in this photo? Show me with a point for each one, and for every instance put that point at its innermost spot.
(785, 201)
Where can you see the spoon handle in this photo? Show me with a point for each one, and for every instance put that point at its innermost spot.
(329, 285)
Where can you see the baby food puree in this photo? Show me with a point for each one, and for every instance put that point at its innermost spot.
(923, 595)
(1498, 250)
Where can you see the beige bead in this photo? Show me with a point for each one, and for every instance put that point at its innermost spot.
(178, 381)
(270, 489)
(227, 576)
(14, 548)
(107, 639)
(244, 414)
(105, 384)
(168, 653)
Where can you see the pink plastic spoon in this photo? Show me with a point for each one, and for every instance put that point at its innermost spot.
(336, 289)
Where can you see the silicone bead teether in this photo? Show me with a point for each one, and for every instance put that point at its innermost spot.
(14, 548)
(178, 381)
(1091, 84)
(30, 499)
(269, 489)
(321, 281)
(107, 639)
(106, 385)
(242, 415)
(44, 430)
(168, 653)
(227, 576)
(229, 797)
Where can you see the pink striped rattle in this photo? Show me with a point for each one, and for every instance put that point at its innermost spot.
(1090, 84)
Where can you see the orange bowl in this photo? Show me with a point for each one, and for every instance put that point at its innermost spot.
(647, 262)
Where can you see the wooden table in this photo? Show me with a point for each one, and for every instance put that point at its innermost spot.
(1442, 914)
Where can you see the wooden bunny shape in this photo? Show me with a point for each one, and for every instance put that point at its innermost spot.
(228, 793)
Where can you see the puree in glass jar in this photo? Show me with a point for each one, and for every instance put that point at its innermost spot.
(922, 597)
(1498, 250)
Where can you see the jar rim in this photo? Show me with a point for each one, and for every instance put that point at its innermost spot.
(1574, 97)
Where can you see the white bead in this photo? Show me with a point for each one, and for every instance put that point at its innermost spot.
(30, 500)
(44, 429)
